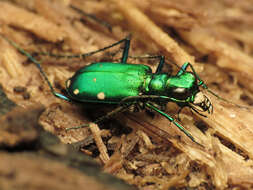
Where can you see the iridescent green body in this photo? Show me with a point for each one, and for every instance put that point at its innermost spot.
(129, 85)
(110, 83)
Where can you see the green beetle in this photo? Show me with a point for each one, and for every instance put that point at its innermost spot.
(135, 85)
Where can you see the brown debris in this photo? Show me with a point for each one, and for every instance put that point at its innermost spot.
(23, 19)
(18, 126)
(31, 158)
(22, 167)
(141, 23)
(215, 36)
(34, 172)
(99, 142)
(228, 57)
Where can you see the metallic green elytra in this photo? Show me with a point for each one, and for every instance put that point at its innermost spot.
(127, 85)
(108, 82)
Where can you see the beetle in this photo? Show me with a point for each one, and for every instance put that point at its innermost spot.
(126, 85)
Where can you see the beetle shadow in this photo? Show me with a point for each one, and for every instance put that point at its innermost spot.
(93, 111)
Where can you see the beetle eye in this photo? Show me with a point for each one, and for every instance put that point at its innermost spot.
(180, 93)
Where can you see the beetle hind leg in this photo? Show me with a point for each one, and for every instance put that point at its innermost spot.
(38, 65)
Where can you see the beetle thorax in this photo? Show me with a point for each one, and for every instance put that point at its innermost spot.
(157, 84)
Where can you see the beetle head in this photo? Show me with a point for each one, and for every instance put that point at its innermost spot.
(201, 103)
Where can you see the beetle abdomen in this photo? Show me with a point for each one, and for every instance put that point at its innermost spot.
(107, 82)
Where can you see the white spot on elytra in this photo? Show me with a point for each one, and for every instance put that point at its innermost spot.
(101, 96)
(76, 91)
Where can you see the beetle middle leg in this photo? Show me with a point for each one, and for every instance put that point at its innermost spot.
(160, 57)
(119, 109)
(149, 103)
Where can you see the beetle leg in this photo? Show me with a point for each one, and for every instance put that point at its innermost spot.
(37, 64)
(161, 64)
(160, 57)
(108, 115)
(136, 107)
(144, 98)
(155, 98)
(178, 113)
(84, 55)
(93, 17)
(171, 119)
(183, 68)
(126, 49)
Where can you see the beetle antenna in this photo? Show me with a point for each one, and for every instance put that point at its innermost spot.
(93, 17)
(225, 100)
(201, 83)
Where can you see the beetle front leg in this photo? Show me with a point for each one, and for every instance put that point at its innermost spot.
(183, 68)
(201, 83)
(171, 119)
